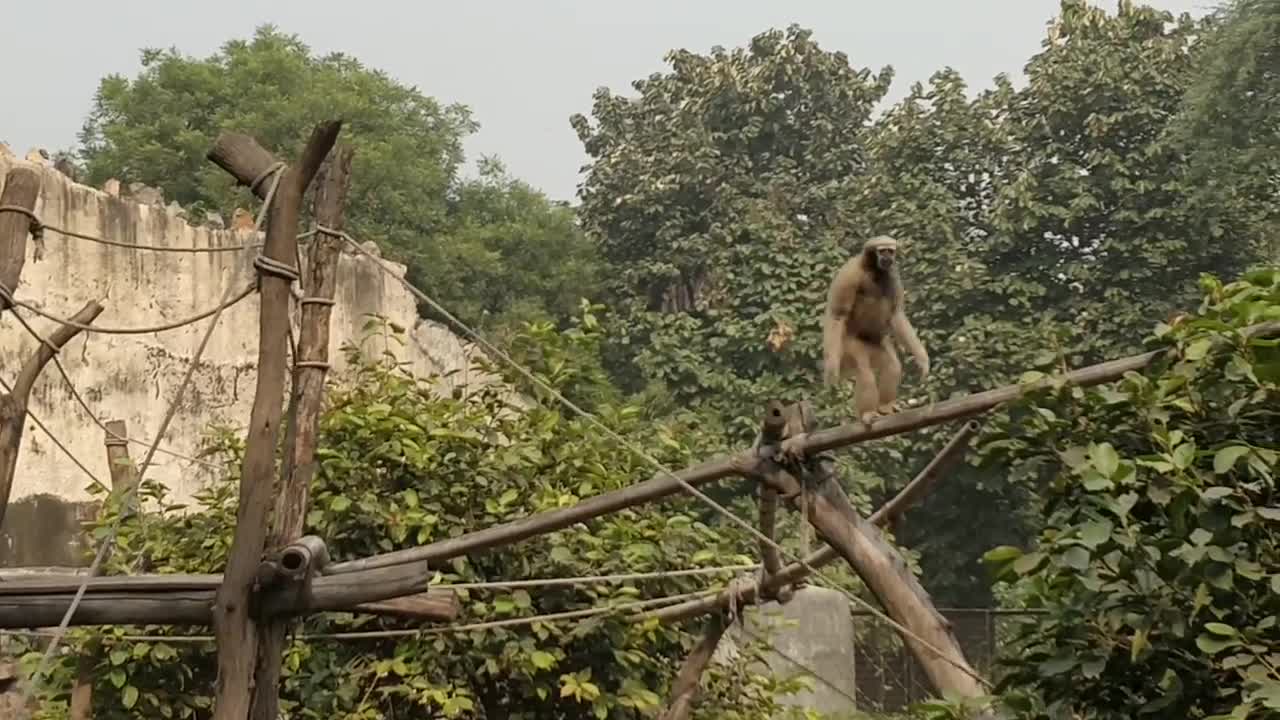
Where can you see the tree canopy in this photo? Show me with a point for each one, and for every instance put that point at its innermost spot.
(456, 235)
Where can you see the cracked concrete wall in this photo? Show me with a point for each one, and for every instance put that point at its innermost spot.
(134, 377)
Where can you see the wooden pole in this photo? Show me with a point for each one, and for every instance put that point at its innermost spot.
(13, 405)
(234, 625)
(313, 363)
(684, 691)
(21, 188)
(771, 433)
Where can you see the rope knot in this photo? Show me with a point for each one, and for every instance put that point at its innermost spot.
(36, 229)
(262, 176)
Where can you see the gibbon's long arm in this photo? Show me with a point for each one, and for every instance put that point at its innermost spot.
(906, 335)
(840, 301)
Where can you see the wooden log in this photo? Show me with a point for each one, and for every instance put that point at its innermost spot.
(234, 625)
(167, 607)
(305, 556)
(13, 405)
(190, 605)
(746, 594)
(21, 189)
(341, 592)
(684, 691)
(661, 485)
(244, 159)
(434, 605)
(300, 462)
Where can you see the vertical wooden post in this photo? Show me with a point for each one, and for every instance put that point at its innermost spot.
(124, 476)
(234, 626)
(21, 188)
(313, 364)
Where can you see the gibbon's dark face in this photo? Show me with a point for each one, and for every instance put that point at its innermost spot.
(884, 258)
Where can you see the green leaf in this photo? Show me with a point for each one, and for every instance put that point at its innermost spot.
(1211, 645)
(339, 503)
(1028, 563)
(1225, 459)
(542, 660)
(1104, 458)
(1198, 349)
(129, 697)
(1076, 558)
(1184, 455)
(1223, 629)
(1095, 533)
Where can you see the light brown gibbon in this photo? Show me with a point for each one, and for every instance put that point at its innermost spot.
(865, 306)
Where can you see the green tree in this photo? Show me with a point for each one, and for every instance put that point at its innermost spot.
(715, 197)
(402, 466)
(1099, 223)
(511, 255)
(1228, 125)
(455, 236)
(1159, 566)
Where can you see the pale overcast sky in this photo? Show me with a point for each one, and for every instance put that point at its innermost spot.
(523, 67)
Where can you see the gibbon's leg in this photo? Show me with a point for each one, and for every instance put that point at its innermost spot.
(889, 367)
(859, 355)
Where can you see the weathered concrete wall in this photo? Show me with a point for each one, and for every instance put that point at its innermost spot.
(814, 630)
(134, 377)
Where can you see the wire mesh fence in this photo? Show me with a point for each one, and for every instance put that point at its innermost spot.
(888, 677)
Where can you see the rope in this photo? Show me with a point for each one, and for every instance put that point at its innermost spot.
(7, 294)
(657, 464)
(152, 248)
(113, 440)
(65, 450)
(37, 227)
(275, 268)
(109, 540)
(622, 577)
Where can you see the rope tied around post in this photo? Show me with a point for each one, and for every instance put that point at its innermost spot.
(37, 227)
(273, 169)
(266, 266)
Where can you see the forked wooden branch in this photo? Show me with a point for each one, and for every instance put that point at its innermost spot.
(234, 624)
(299, 467)
(13, 406)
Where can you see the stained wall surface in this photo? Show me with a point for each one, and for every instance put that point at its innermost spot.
(133, 377)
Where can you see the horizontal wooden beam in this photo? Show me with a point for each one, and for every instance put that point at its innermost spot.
(191, 607)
